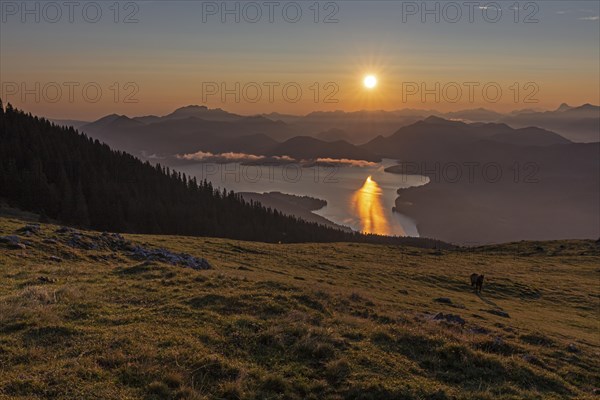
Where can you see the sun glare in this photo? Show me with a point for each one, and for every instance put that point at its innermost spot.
(369, 206)
(370, 81)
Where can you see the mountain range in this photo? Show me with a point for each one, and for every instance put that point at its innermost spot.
(391, 134)
(198, 128)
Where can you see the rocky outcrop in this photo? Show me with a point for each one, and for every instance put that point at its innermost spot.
(451, 318)
(116, 242)
(28, 230)
(13, 242)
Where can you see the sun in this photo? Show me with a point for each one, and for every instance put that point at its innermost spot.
(370, 81)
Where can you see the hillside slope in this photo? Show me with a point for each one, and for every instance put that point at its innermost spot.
(302, 321)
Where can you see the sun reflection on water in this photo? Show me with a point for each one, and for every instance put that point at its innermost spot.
(369, 207)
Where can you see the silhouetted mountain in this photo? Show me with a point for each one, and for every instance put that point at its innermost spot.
(439, 138)
(525, 110)
(359, 126)
(203, 112)
(307, 148)
(105, 120)
(258, 144)
(184, 132)
(332, 135)
(191, 111)
(287, 118)
(579, 124)
(113, 122)
(586, 110)
(529, 137)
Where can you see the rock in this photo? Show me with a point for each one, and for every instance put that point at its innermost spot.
(55, 259)
(28, 230)
(571, 348)
(117, 243)
(201, 263)
(444, 300)
(452, 318)
(10, 239)
(499, 313)
(478, 330)
(64, 229)
(162, 255)
(45, 279)
(81, 241)
(13, 242)
(531, 359)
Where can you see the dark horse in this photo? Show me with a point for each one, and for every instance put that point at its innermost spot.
(477, 281)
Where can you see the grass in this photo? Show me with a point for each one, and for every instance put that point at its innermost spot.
(305, 321)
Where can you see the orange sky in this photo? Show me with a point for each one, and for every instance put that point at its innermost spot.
(166, 59)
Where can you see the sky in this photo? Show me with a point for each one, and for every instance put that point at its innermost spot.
(85, 59)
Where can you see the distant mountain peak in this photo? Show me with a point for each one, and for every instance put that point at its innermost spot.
(432, 119)
(192, 107)
(194, 110)
(582, 108)
(564, 107)
(109, 117)
(587, 106)
(187, 110)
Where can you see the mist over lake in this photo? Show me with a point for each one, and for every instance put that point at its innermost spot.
(353, 200)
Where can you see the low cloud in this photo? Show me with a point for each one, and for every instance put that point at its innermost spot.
(198, 156)
(206, 156)
(240, 156)
(346, 161)
(283, 158)
(219, 157)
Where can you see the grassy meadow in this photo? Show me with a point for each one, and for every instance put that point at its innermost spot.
(303, 321)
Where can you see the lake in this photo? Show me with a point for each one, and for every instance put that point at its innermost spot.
(359, 195)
